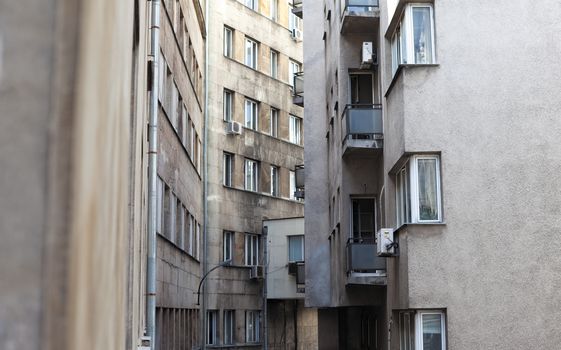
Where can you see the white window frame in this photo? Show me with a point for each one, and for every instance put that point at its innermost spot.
(191, 233)
(251, 175)
(274, 10)
(274, 58)
(402, 44)
(292, 184)
(212, 331)
(274, 122)
(228, 42)
(419, 327)
(251, 52)
(275, 180)
(229, 321)
(303, 247)
(228, 246)
(252, 326)
(294, 22)
(227, 102)
(251, 113)
(410, 172)
(293, 68)
(252, 4)
(251, 250)
(227, 168)
(295, 129)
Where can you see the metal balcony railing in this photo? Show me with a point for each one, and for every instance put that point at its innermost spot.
(299, 84)
(363, 122)
(362, 256)
(300, 176)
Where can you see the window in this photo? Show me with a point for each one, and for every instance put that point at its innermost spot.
(274, 6)
(227, 245)
(293, 20)
(418, 194)
(251, 114)
(294, 129)
(212, 323)
(422, 330)
(274, 181)
(191, 234)
(274, 122)
(413, 40)
(228, 96)
(183, 125)
(293, 68)
(251, 175)
(364, 218)
(274, 64)
(228, 39)
(251, 249)
(196, 243)
(228, 167)
(180, 225)
(296, 248)
(229, 326)
(159, 205)
(292, 184)
(251, 53)
(252, 4)
(252, 320)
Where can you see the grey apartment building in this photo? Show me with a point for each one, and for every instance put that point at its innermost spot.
(255, 141)
(439, 121)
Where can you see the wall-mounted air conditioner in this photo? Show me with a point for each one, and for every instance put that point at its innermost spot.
(368, 57)
(234, 128)
(296, 34)
(256, 272)
(386, 246)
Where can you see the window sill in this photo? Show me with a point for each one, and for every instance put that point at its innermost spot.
(258, 71)
(178, 248)
(399, 70)
(403, 226)
(271, 136)
(264, 194)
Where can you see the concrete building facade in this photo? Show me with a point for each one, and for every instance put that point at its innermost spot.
(429, 147)
(255, 138)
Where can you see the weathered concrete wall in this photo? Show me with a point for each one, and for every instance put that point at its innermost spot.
(291, 325)
(491, 108)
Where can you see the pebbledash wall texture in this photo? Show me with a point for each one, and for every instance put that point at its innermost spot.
(475, 115)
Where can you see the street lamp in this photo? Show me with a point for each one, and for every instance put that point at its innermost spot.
(224, 263)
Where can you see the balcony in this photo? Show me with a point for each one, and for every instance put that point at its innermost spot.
(298, 270)
(363, 129)
(297, 8)
(364, 266)
(360, 16)
(298, 92)
(300, 175)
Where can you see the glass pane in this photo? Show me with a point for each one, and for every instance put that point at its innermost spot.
(295, 248)
(432, 332)
(422, 36)
(428, 205)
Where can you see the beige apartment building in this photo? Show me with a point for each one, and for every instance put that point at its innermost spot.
(436, 124)
(255, 138)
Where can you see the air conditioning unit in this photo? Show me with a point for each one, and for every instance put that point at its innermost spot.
(256, 272)
(386, 246)
(368, 55)
(234, 128)
(296, 34)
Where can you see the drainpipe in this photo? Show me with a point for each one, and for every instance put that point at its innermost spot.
(152, 176)
(265, 274)
(205, 175)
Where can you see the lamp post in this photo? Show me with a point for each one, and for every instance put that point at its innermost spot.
(224, 263)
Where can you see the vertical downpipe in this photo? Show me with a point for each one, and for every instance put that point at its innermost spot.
(152, 176)
(205, 174)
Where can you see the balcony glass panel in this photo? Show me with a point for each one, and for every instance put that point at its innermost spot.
(299, 84)
(360, 5)
(364, 121)
(362, 256)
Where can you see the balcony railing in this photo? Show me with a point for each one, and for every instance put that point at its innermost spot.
(297, 8)
(362, 257)
(360, 16)
(298, 89)
(363, 126)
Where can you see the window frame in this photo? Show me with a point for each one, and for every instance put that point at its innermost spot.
(419, 327)
(228, 41)
(274, 60)
(251, 121)
(252, 4)
(227, 105)
(251, 249)
(229, 332)
(303, 245)
(251, 53)
(228, 240)
(274, 10)
(275, 171)
(295, 129)
(402, 39)
(274, 122)
(292, 184)
(253, 318)
(212, 324)
(227, 170)
(253, 165)
(293, 68)
(407, 207)
(352, 218)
